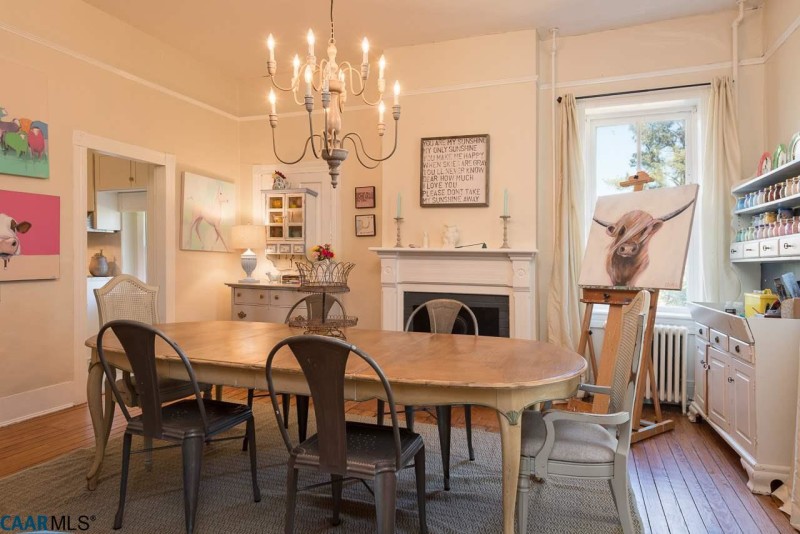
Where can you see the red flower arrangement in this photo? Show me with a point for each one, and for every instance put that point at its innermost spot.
(322, 252)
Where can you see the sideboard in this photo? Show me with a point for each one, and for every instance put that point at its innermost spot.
(267, 303)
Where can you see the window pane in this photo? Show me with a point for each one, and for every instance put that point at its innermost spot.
(663, 151)
(614, 145)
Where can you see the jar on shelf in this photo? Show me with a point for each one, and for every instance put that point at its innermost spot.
(780, 191)
(740, 203)
(762, 194)
(787, 226)
(752, 232)
(769, 217)
(796, 185)
(795, 225)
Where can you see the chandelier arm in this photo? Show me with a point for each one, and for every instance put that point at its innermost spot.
(311, 135)
(358, 155)
(296, 101)
(278, 87)
(350, 71)
(353, 135)
(305, 149)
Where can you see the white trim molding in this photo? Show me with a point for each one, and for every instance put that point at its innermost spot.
(36, 402)
(779, 42)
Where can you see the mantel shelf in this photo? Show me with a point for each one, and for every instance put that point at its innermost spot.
(453, 251)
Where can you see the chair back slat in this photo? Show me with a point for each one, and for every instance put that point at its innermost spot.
(629, 352)
(138, 341)
(323, 361)
(442, 314)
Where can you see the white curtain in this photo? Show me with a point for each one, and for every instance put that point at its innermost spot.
(721, 170)
(563, 300)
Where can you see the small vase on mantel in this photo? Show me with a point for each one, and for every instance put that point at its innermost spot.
(98, 265)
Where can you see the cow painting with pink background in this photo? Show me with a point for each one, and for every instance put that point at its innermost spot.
(29, 236)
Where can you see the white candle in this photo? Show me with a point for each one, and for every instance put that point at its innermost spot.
(505, 202)
(271, 46)
(396, 93)
(381, 67)
(310, 39)
(399, 205)
(308, 80)
(365, 50)
(381, 110)
(295, 67)
(272, 100)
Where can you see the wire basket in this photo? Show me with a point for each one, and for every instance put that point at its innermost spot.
(324, 276)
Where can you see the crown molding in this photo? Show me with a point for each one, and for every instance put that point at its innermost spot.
(782, 38)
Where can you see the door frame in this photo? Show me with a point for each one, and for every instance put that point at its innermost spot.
(162, 245)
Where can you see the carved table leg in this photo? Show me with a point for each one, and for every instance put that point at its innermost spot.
(94, 398)
(511, 437)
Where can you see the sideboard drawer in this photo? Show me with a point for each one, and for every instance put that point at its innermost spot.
(251, 313)
(719, 340)
(740, 349)
(284, 299)
(701, 331)
(250, 296)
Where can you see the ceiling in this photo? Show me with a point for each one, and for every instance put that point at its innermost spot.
(230, 34)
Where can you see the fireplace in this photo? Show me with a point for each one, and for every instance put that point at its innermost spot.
(463, 274)
(490, 310)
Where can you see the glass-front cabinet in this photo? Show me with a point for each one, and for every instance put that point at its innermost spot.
(288, 216)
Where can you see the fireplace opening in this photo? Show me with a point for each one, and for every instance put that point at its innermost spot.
(490, 310)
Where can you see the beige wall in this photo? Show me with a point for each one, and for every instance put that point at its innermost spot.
(37, 336)
(782, 78)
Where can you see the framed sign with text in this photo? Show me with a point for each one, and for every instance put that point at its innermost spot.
(454, 171)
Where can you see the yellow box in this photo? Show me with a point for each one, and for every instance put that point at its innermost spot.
(755, 303)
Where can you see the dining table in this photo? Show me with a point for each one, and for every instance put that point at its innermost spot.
(505, 374)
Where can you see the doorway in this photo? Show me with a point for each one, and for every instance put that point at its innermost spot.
(156, 222)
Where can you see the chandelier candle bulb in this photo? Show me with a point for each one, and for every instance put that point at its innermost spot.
(396, 93)
(381, 110)
(399, 205)
(505, 202)
(272, 100)
(365, 50)
(308, 81)
(295, 69)
(310, 39)
(381, 67)
(271, 47)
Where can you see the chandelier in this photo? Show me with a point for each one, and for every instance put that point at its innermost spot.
(332, 81)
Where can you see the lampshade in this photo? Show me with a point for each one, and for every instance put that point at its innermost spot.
(246, 236)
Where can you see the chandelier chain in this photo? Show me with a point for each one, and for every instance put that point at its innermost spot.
(332, 39)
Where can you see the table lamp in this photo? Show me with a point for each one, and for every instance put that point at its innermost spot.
(248, 236)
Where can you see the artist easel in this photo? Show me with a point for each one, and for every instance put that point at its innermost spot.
(616, 299)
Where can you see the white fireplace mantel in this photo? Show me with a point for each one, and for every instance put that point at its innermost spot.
(509, 272)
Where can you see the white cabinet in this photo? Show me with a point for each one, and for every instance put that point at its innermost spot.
(114, 174)
(262, 303)
(768, 248)
(700, 374)
(751, 369)
(737, 251)
(289, 216)
(742, 402)
(717, 400)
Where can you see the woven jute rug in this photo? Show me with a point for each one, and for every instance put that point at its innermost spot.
(155, 498)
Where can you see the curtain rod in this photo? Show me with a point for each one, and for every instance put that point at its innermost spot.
(636, 91)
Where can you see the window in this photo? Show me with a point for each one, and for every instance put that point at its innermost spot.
(660, 138)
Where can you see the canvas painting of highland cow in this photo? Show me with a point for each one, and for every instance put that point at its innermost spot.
(640, 240)
(29, 236)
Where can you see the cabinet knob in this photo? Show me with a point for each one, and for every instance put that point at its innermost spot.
(736, 348)
(277, 297)
(702, 362)
(701, 331)
(730, 379)
(716, 339)
(241, 315)
(765, 248)
(748, 250)
(787, 246)
(261, 296)
(238, 294)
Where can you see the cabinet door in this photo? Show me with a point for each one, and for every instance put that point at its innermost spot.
(717, 396)
(114, 174)
(737, 251)
(700, 376)
(252, 313)
(768, 248)
(743, 404)
(750, 249)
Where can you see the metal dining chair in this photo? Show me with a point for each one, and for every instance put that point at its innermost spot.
(189, 423)
(342, 448)
(313, 305)
(589, 445)
(443, 316)
(125, 297)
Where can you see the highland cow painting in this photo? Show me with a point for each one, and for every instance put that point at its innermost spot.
(640, 240)
(29, 236)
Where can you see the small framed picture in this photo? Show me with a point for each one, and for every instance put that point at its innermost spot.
(365, 197)
(284, 248)
(298, 248)
(365, 225)
(272, 248)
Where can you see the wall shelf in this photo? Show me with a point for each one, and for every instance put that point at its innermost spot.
(775, 176)
(787, 202)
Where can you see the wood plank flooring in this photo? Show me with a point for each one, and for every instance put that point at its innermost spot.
(685, 481)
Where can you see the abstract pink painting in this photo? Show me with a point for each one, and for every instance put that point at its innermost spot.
(30, 236)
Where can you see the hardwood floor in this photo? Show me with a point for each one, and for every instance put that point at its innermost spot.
(685, 481)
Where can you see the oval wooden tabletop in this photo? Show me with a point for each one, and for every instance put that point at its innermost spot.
(405, 357)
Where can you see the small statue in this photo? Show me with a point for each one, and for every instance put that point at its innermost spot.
(279, 180)
(425, 241)
(450, 236)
